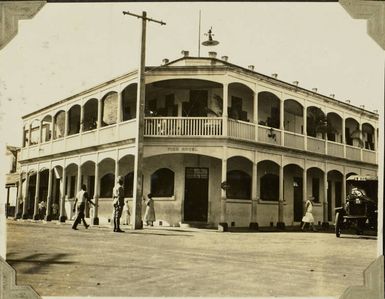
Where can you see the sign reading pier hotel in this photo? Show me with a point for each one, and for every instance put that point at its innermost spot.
(182, 149)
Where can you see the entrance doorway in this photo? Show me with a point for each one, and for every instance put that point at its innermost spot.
(298, 202)
(196, 194)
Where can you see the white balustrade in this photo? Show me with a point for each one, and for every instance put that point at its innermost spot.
(353, 153)
(294, 140)
(199, 127)
(369, 156)
(335, 149)
(183, 126)
(315, 145)
(269, 135)
(241, 129)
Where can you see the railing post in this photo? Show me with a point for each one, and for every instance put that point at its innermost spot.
(305, 126)
(225, 105)
(223, 226)
(343, 136)
(256, 119)
(281, 120)
(281, 223)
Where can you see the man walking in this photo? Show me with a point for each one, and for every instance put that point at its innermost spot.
(118, 203)
(81, 197)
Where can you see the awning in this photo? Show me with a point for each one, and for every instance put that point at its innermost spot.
(362, 178)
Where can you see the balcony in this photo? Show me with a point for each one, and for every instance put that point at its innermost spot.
(205, 127)
(103, 135)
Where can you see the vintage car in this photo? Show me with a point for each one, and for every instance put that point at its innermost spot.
(360, 209)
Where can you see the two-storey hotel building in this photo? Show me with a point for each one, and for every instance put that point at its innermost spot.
(222, 144)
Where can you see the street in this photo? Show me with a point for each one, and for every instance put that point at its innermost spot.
(58, 261)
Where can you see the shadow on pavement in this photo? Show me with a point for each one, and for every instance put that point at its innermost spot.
(38, 262)
(157, 234)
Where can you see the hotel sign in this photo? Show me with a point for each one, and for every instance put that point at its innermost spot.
(182, 149)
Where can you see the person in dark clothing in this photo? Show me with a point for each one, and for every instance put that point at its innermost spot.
(118, 203)
(81, 199)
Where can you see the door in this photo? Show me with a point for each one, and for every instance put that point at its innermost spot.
(196, 194)
(298, 202)
(198, 103)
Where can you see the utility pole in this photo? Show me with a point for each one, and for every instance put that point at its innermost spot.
(141, 91)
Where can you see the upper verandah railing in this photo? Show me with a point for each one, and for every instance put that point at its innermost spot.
(215, 127)
(205, 127)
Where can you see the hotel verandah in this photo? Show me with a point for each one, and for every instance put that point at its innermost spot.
(207, 122)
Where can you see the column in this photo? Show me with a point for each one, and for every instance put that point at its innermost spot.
(343, 187)
(363, 142)
(7, 204)
(66, 119)
(255, 112)
(40, 132)
(62, 217)
(281, 121)
(225, 115)
(52, 126)
(95, 220)
(305, 126)
(99, 113)
(223, 226)
(29, 134)
(326, 134)
(304, 187)
(254, 199)
(19, 197)
(116, 166)
(79, 179)
(343, 136)
(81, 118)
(325, 202)
(119, 112)
(49, 197)
(36, 215)
(54, 192)
(280, 223)
(25, 197)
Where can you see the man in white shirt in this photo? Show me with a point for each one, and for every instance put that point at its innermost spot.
(81, 197)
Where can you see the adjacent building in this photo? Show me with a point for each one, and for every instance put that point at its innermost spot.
(222, 144)
(12, 179)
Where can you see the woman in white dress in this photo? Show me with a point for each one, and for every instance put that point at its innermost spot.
(149, 215)
(308, 218)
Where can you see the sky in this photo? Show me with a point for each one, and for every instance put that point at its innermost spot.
(67, 48)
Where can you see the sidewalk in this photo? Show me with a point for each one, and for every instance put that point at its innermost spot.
(169, 261)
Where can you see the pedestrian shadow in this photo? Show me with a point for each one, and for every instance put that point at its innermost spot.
(158, 234)
(357, 237)
(38, 262)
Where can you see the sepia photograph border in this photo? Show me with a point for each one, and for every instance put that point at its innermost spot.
(373, 277)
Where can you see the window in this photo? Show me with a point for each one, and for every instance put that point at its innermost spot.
(106, 185)
(59, 122)
(315, 189)
(239, 185)
(109, 109)
(162, 183)
(90, 115)
(269, 187)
